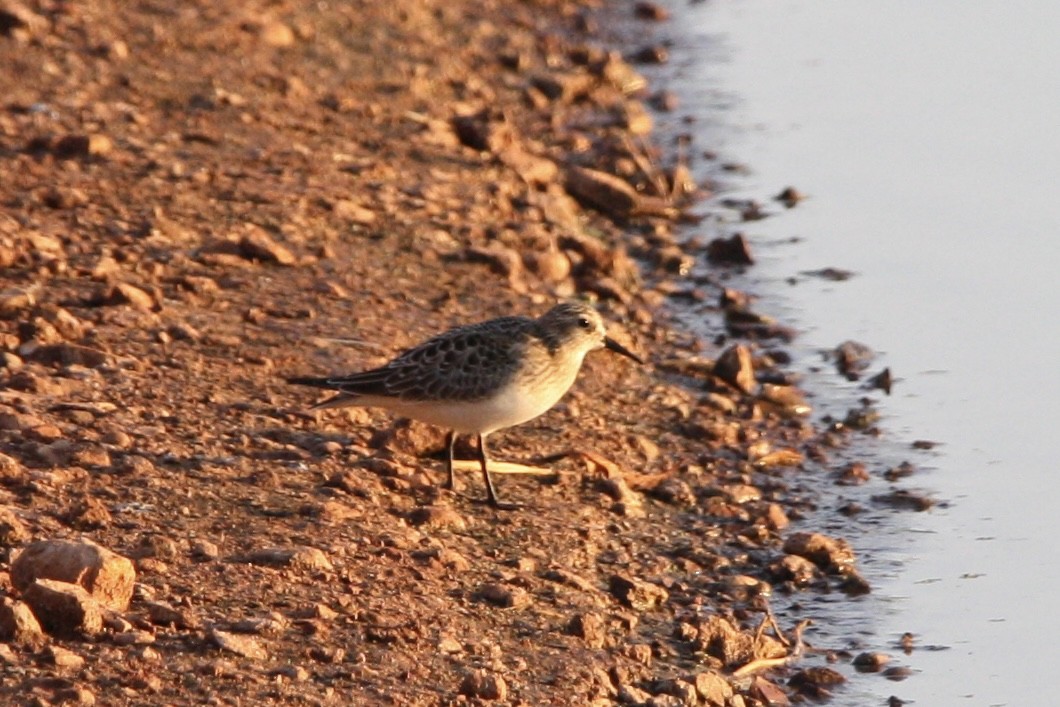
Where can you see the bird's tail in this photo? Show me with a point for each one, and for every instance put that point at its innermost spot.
(312, 381)
(341, 400)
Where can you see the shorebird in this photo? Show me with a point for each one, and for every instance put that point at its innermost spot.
(480, 378)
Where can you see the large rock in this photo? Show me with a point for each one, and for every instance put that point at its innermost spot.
(64, 609)
(105, 575)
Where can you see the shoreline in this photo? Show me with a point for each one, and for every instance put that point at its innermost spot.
(176, 241)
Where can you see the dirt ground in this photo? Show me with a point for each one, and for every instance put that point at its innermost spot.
(198, 199)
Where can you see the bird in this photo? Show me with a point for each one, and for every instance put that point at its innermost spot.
(476, 379)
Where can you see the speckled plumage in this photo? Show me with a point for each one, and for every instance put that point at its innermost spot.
(480, 378)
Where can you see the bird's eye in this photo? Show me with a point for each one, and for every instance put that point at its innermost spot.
(584, 323)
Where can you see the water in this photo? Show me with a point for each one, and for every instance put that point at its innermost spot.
(927, 135)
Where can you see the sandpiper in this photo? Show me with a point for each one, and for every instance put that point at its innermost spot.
(480, 378)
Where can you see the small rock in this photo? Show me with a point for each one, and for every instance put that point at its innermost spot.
(815, 681)
(769, 692)
(665, 101)
(204, 550)
(107, 576)
(654, 54)
(55, 454)
(852, 358)
(437, 517)
(162, 614)
(790, 197)
(18, 624)
(775, 518)
(64, 609)
(832, 554)
(65, 354)
(551, 265)
(240, 645)
(16, 300)
(713, 688)
(88, 514)
(675, 491)
(589, 626)
(502, 260)
(504, 596)
(684, 691)
(650, 11)
(735, 367)
(257, 244)
(63, 658)
(795, 569)
(353, 212)
(10, 469)
(903, 499)
(484, 686)
(124, 293)
(734, 250)
(871, 662)
(788, 400)
(853, 474)
(76, 695)
(604, 192)
(563, 87)
(632, 695)
(640, 653)
(897, 673)
(308, 558)
(276, 34)
(881, 380)
(69, 146)
(13, 531)
(636, 594)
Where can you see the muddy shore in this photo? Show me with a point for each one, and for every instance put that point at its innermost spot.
(201, 199)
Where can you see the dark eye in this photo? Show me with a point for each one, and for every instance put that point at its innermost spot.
(584, 323)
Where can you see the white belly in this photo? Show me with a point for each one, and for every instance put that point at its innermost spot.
(511, 406)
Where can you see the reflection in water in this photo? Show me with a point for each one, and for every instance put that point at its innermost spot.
(925, 135)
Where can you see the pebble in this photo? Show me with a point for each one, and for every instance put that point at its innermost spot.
(13, 531)
(604, 192)
(63, 658)
(650, 11)
(589, 626)
(870, 662)
(637, 594)
(504, 596)
(484, 685)
(204, 550)
(437, 517)
(734, 250)
(828, 553)
(308, 558)
(713, 688)
(240, 645)
(256, 244)
(735, 367)
(88, 514)
(161, 613)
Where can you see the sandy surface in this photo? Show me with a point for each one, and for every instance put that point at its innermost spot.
(198, 199)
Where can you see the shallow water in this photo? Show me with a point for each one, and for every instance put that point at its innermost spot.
(927, 136)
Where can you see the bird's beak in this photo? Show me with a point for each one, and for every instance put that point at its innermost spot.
(613, 345)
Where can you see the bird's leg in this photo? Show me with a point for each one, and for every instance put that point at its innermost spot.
(450, 444)
(491, 494)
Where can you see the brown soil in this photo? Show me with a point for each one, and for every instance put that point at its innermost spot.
(198, 199)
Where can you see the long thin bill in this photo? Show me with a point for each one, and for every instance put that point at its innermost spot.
(613, 345)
